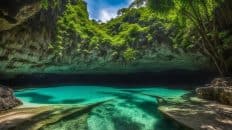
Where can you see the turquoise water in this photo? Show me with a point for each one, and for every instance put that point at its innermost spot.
(129, 109)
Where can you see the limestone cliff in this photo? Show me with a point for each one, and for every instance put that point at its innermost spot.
(31, 45)
(15, 12)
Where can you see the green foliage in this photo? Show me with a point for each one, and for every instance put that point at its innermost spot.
(161, 5)
(134, 28)
(132, 16)
(227, 38)
(126, 37)
(129, 55)
(195, 20)
(44, 4)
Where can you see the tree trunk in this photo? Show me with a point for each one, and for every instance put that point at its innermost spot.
(209, 45)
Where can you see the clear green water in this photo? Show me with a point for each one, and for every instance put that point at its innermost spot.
(130, 109)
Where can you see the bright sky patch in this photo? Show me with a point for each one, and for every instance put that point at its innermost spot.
(105, 10)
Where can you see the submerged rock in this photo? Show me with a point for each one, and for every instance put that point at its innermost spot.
(71, 117)
(220, 89)
(7, 99)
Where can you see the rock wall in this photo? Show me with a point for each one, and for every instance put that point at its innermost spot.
(15, 12)
(24, 45)
(26, 48)
(220, 89)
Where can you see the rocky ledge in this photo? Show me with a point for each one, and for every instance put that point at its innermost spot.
(220, 89)
(47, 117)
(198, 114)
(7, 99)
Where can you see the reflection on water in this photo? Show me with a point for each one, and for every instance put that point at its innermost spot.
(129, 109)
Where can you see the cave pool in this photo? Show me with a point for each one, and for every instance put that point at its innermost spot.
(127, 109)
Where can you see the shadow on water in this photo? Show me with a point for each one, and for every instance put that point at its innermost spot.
(46, 99)
(149, 107)
(125, 123)
(129, 98)
(162, 123)
(166, 124)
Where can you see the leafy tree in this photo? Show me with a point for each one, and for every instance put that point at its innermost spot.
(122, 11)
(199, 14)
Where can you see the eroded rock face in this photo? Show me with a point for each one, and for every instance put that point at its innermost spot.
(15, 12)
(7, 99)
(220, 89)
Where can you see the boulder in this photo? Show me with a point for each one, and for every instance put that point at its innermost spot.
(220, 89)
(7, 99)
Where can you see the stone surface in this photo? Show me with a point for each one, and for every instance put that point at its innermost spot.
(199, 114)
(15, 12)
(220, 89)
(7, 99)
(46, 117)
(13, 119)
